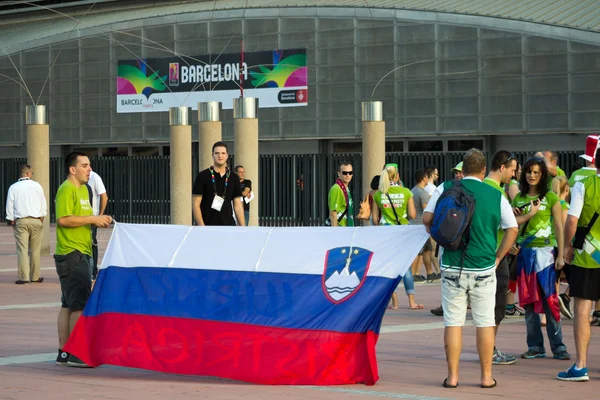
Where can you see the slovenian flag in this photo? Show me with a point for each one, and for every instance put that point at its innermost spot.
(262, 305)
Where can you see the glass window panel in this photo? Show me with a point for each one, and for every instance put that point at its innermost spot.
(460, 124)
(337, 109)
(298, 128)
(335, 23)
(458, 87)
(37, 57)
(501, 85)
(373, 72)
(493, 33)
(225, 28)
(376, 54)
(335, 92)
(193, 31)
(463, 68)
(460, 105)
(501, 47)
(268, 128)
(335, 74)
(65, 72)
(585, 101)
(308, 111)
(303, 39)
(501, 66)
(65, 103)
(261, 26)
(225, 45)
(583, 48)
(451, 32)
(585, 62)
(10, 89)
(10, 106)
(585, 82)
(425, 145)
(158, 49)
(259, 43)
(384, 90)
(163, 33)
(547, 102)
(66, 56)
(269, 114)
(502, 104)
(552, 121)
(466, 48)
(192, 47)
(543, 45)
(297, 24)
(425, 70)
(336, 56)
(66, 88)
(91, 86)
(420, 107)
(546, 84)
(126, 52)
(92, 54)
(546, 64)
(420, 89)
(416, 33)
(35, 73)
(416, 52)
(343, 38)
(503, 123)
(132, 36)
(338, 127)
(586, 120)
(375, 36)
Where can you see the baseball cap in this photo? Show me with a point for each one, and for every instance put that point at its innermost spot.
(591, 145)
(458, 167)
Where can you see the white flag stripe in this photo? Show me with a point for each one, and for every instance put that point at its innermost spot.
(287, 250)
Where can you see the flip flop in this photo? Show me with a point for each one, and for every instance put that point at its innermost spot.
(417, 307)
(490, 386)
(446, 385)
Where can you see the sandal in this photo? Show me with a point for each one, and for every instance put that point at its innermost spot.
(447, 385)
(417, 307)
(490, 386)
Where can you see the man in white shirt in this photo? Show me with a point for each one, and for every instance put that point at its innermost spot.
(432, 178)
(99, 200)
(26, 208)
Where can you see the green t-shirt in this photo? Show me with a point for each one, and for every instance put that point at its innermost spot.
(337, 202)
(399, 196)
(564, 205)
(559, 172)
(71, 200)
(540, 229)
(496, 186)
(589, 256)
(580, 175)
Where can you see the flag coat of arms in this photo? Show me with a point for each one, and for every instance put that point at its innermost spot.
(262, 305)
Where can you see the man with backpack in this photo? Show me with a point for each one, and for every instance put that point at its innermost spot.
(341, 206)
(463, 218)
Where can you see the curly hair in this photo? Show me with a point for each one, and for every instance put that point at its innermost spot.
(542, 187)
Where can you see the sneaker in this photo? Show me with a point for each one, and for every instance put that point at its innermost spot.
(514, 312)
(500, 358)
(76, 362)
(562, 355)
(574, 374)
(62, 357)
(431, 278)
(438, 311)
(419, 279)
(565, 306)
(533, 354)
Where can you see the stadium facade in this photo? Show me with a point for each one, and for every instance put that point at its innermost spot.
(451, 75)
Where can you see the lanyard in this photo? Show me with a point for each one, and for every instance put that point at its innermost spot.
(212, 176)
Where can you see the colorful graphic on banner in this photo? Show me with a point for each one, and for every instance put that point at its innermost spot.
(277, 78)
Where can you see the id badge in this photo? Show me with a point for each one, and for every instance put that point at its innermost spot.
(217, 203)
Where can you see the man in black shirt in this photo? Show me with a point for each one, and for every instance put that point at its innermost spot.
(215, 189)
(246, 186)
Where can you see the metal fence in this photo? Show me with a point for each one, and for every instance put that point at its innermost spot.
(293, 188)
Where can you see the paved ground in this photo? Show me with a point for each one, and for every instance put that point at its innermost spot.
(410, 351)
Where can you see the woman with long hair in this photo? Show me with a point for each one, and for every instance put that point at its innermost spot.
(395, 206)
(540, 231)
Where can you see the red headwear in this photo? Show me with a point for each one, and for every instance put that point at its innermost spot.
(591, 145)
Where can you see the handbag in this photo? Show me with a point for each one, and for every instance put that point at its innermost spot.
(365, 209)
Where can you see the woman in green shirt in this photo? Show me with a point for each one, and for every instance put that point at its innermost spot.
(395, 206)
(540, 232)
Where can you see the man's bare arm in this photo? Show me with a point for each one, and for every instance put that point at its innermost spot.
(196, 201)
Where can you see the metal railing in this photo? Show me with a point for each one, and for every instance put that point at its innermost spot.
(293, 188)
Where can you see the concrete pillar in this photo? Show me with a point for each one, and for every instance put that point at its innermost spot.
(373, 142)
(209, 129)
(245, 128)
(181, 166)
(38, 156)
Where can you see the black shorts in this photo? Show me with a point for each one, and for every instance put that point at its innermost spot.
(75, 274)
(512, 266)
(584, 283)
(501, 289)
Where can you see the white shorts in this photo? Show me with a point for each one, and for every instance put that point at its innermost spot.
(479, 288)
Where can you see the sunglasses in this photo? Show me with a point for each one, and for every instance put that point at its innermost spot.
(509, 159)
(348, 173)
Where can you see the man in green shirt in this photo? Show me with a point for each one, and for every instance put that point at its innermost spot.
(584, 273)
(551, 159)
(504, 165)
(591, 145)
(73, 254)
(341, 206)
(470, 274)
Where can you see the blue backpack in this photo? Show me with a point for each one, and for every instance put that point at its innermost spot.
(452, 218)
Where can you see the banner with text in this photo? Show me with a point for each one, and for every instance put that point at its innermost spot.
(277, 78)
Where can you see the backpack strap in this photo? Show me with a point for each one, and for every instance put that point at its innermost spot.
(393, 209)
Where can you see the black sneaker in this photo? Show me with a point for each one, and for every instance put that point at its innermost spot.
(431, 278)
(565, 305)
(419, 279)
(62, 357)
(438, 311)
(76, 362)
(533, 354)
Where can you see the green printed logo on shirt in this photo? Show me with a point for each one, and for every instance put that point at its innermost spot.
(540, 229)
